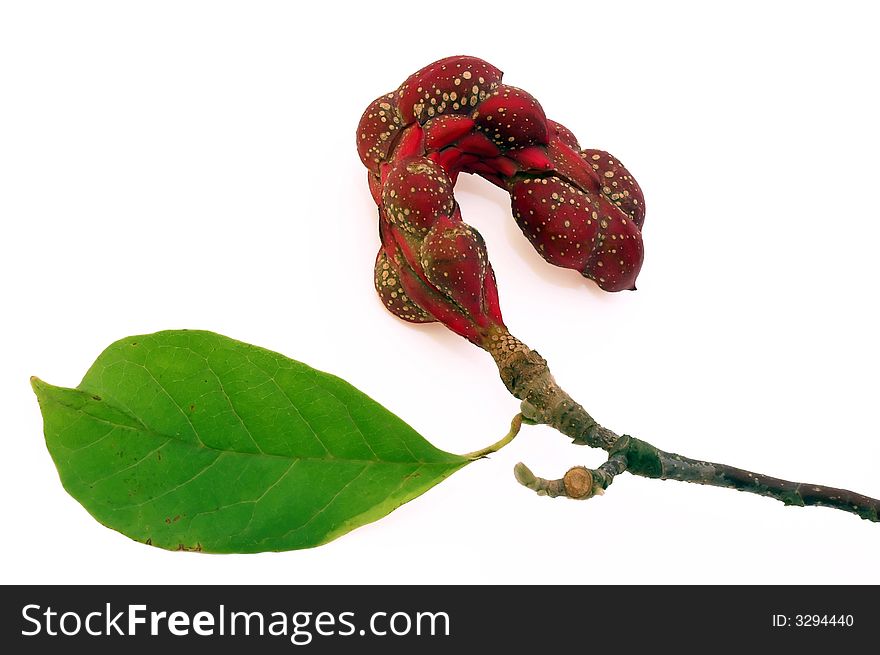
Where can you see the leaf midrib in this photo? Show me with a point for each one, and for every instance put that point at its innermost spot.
(202, 446)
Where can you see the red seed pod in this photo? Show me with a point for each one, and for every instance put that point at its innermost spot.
(454, 85)
(581, 209)
(449, 159)
(564, 134)
(532, 158)
(437, 305)
(488, 173)
(404, 259)
(490, 298)
(443, 131)
(454, 259)
(512, 118)
(400, 245)
(422, 294)
(569, 163)
(378, 127)
(618, 183)
(504, 166)
(416, 192)
(390, 289)
(447, 275)
(410, 143)
(477, 144)
(560, 220)
(619, 253)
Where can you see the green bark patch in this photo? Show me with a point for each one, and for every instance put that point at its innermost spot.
(189, 440)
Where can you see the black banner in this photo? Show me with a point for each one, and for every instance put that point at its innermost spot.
(333, 619)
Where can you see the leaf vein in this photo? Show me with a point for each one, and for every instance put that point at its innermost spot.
(326, 505)
(133, 465)
(177, 486)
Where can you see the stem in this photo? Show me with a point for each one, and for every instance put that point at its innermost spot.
(526, 375)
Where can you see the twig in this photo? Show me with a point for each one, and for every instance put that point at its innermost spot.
(526, 375)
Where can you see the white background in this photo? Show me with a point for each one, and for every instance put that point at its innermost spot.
(193, 165)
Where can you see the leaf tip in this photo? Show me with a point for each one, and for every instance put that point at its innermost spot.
(42, 389)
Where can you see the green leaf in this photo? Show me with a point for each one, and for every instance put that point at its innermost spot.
(191, 440)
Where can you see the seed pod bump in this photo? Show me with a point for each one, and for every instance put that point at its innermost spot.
(563, 134)
(512, 118)
(443, 131)
(557, 217)
(620, 252)
(532, 158)
(455, 262)
(454, 85)
(416, 192)
(377, 130)
(477, 144)
(620, 186)
(390, 289)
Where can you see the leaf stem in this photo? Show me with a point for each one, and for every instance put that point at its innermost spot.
(515, 425)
